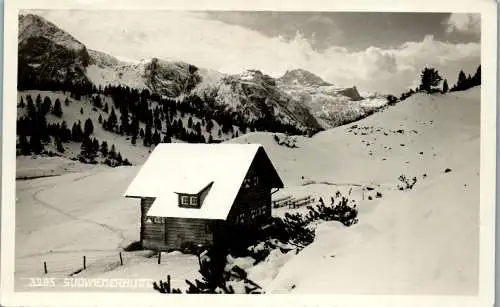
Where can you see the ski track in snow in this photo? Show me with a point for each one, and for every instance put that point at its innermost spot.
(113, 230)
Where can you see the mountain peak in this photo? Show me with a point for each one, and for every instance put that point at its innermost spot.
(302, 77)
(34, 26)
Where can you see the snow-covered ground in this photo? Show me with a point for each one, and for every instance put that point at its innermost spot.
(419, 241)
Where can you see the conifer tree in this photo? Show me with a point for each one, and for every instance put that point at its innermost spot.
(36, 144)
(104, 148)
(158, 124)
(21, 103)
(24, 146)
(429, 79)
(112, 152)
(46, 106)
(147, 136)
(134, 126)
(112, 119)
(477, 76)
(32, 113)
(42, 128)
(74, 134)
(97, 101)
(65, 132)
(38, 101)
(95, 145)
(197, 128)
(87, 153)
(81, 110)
(124, 121)
(100, 119)
(77, 132)
(57, 109)
(156, 138)
(88, 127)
(462, 79)
(209, 126)
(59, 145)
(445, 86)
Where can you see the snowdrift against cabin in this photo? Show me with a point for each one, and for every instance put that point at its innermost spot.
(183, 168)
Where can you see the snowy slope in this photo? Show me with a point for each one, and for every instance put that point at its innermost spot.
(71, 114)
(108, 70)
(136, 154)
(423, 240)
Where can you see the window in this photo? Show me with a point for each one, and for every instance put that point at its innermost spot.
(194, 200)
(158, 220)
(189, 201)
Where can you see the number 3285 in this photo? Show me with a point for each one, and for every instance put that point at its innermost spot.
(39, 282)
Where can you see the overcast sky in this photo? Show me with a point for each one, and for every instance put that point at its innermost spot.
(381, 52)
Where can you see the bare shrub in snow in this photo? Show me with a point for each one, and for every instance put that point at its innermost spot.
(406, 184)
(286, 141)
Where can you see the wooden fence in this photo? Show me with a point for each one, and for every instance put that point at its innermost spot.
(292, 202)
(281, 202)
(299, 202)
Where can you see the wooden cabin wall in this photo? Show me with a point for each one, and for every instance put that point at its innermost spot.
(181, 231)
(152, 234)
(172, 233)
(252, 201)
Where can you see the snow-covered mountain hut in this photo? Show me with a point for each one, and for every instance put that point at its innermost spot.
(197, 194)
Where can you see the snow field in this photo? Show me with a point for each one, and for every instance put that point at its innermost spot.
(419, 241)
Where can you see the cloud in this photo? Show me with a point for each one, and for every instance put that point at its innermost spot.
(464, 23)
(208, 43)
(320, 28)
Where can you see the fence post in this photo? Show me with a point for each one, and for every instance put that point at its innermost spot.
(159, 257)
(121, 259)
(45, 267)
(84, 262)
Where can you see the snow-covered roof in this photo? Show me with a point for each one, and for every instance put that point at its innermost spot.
(174, 168)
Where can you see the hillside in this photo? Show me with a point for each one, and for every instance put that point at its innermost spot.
(422, 240)
(299, 102)
(78, 111)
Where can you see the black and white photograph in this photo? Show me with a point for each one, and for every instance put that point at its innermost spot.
(196, 151)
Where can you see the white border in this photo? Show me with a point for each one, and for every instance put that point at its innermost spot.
(487, 176)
